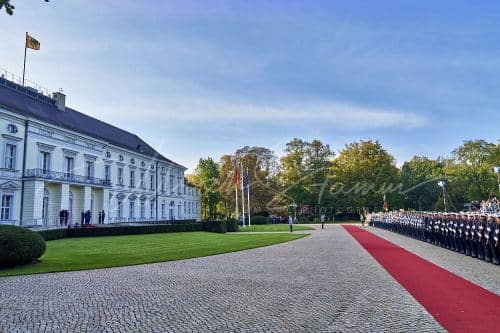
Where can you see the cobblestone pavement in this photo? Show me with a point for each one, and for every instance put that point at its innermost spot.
(477, 271)
(325, 282)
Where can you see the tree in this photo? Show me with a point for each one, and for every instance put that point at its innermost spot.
(9, 8)
(261, 164)
(419, 177)
(362, 173)
(304, 174)
(206, 178)
(470, 173)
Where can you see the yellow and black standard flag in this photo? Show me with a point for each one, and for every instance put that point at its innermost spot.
(32, 43)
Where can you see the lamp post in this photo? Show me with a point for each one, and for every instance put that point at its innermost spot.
(497, 171)
(442, 184)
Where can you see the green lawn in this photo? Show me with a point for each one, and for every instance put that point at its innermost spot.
(273, 227)
(72, 254)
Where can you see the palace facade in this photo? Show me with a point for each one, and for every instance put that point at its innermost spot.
(54, 159)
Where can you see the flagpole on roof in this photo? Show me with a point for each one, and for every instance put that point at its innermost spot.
(24, 65)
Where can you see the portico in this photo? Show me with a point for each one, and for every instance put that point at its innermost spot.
(50, 198)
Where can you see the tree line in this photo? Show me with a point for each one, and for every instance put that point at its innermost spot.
(310, 179)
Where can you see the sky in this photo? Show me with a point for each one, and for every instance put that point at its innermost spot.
(204, 78)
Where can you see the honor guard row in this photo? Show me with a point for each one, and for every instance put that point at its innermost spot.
(473, 234)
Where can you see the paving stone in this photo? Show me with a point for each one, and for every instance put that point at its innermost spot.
(325, 282)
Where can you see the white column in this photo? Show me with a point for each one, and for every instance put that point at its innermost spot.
(64, 196)
(33, 201)
(105, 204)
(87, 190)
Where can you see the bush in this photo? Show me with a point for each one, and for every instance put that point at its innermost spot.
(19, 245)
(262, 213)
(133, 229)
(232, 225)
(215, 226)
(53, 234)
(260, 220)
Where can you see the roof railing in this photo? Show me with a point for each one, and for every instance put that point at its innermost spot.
(30, 88)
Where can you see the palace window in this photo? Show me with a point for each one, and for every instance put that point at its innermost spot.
(120, 209)
(45, 161)
(152, 209)
(172, 184)
(142, 180)
(6, 209)
(89, 169)
(107, 172)
(152, 182)
(10, 156)
(69, 165)
(131, 211)
(132, 178)
(163, 209)
(163, 183)
(120, 176)
(143, 210)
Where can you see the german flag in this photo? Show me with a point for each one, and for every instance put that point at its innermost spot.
(32, 43)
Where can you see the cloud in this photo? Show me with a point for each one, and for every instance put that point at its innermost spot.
(210, 110)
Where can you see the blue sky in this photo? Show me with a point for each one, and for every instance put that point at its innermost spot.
(198, 79)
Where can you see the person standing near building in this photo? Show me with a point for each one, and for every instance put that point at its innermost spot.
(103, 215)
(322, 218)
(290, 222)
(61, 217)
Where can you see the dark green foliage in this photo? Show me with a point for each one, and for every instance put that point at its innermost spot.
(114, 230)
(346, 216)
(133, 230)
(19, 245)
(262, 213)
(53, 234)
(260, 220)
(215, 226)
(232, 225)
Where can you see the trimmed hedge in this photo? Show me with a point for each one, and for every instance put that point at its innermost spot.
(215, 226)
(133, 229)
(19, 245)
(53, 234)
(115, 230)
(232, 225)
(258, 219)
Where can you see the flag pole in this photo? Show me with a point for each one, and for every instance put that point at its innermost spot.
(248, 196)
(236, 192)
(24, 65)
(242, 193)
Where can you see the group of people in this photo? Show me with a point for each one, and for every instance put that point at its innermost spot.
(278, 219)
(491, 206)
(472, 234)
(86, 217)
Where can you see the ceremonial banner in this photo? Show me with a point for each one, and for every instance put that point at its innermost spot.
(32, 43)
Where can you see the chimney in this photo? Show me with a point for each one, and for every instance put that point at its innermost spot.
(60, 99)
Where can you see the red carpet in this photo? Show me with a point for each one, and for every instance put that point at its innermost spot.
(457, 304)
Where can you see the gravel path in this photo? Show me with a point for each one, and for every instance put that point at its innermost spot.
(325, 282)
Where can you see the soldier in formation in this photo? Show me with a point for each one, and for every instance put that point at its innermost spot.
(472, 234)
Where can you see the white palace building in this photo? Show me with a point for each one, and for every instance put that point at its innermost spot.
(55, 159)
